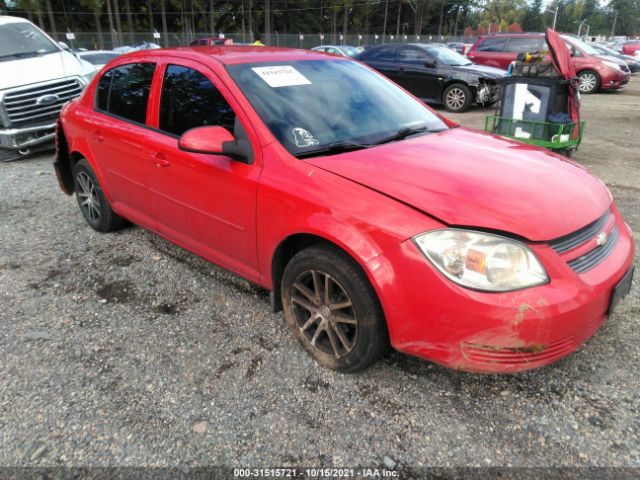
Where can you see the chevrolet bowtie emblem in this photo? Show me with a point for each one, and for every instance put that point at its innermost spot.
(601, 238)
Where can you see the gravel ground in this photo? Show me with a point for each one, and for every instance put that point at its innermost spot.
(123, 350)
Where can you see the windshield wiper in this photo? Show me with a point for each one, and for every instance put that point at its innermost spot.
(401, 134)
(333, 148)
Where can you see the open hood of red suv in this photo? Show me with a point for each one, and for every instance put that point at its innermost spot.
(468, 178)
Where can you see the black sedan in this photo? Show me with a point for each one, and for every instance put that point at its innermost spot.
(632, 62)
(436, 74)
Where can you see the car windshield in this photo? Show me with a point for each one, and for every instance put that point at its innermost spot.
(22, 39)
(326, 106)
(585, 47)
(447, 56)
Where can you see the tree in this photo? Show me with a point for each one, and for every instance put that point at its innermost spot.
(96, 7)
(532, 20)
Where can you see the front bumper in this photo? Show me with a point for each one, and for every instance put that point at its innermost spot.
(431, 317)
(23, 138)
(613, 79)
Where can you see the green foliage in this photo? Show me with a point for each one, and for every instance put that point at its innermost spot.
(424, 17)
(533, 19)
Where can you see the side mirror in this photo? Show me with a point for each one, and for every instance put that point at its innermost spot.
(430, 64)
(215, 141)
(63, 45)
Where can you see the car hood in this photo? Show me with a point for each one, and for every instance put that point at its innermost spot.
(25, 71)
(613, 59)
(483, 71)
(472, 179)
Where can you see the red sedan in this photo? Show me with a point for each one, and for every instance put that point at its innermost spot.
(374, 221)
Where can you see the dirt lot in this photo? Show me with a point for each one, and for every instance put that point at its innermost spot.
(121, 349)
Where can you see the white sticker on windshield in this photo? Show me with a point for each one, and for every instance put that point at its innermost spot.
(281, 76)
(303, 138)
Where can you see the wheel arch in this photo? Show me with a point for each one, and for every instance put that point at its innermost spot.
(78, 150)
(296, 242)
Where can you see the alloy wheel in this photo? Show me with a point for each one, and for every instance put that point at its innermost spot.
(588, 82)
(455, 98)
(324, 313)
(88, 198)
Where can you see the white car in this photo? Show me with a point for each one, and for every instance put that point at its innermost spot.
(37, 77)
(98, 58)
(344, 50)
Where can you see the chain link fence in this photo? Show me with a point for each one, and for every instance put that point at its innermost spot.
(110, 40)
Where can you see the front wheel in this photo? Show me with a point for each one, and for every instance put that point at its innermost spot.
(333, 310)
(457, 98)
(589, 81)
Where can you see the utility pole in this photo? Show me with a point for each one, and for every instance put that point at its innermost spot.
(555, 16)
(384, 25)
(613, 29)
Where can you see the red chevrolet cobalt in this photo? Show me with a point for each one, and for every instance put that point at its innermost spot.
(373, 221)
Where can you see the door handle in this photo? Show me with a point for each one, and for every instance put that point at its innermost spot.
(99, 136)
(160, 159)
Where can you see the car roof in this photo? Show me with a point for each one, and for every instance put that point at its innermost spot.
(514, 34)
(231, 55)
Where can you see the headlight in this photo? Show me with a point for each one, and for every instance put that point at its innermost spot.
(482, 261)
(611, 64)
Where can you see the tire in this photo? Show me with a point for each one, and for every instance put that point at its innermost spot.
(589, 82)
(346, 332)
(457, 98)
(93, 204)
(567, 152)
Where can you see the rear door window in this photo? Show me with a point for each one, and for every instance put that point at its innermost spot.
(124, 91)
(493, 44)
(413, 55)
(382, 54)
(523, 44)
(190, 100)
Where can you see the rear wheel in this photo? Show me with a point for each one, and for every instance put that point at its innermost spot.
(457, 97)
(589, 81)
(93, 204)
(333, 310)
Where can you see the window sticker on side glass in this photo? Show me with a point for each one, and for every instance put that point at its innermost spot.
(281, 76)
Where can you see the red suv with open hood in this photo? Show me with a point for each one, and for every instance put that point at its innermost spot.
(371, 219)
(594, 71)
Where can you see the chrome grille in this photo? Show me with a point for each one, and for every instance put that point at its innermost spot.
(28, 104)
(625, 68)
